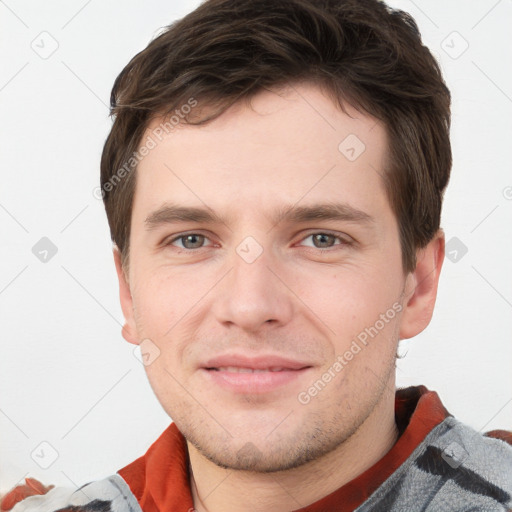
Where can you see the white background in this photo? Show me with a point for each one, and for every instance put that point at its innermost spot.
(67, 377)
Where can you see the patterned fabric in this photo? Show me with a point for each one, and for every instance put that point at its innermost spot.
(454, 469)
(109, 495)
(438, 464)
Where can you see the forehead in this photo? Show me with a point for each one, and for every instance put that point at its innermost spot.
(286, 146)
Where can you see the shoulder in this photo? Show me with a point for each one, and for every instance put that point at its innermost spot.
(455, 468)
(474, 468)
(111, 494)
(489, 455)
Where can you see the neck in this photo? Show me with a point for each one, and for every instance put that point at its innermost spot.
(215, 489)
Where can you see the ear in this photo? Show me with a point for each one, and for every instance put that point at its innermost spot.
(129, 330)
(421, 288)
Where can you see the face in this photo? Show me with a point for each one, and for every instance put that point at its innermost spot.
(265, 278)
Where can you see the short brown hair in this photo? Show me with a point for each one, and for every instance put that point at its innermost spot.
(360, 51)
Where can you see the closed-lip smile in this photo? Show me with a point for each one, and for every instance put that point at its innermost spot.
(244, 374)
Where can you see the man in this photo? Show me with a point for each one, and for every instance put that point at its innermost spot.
(273, 184)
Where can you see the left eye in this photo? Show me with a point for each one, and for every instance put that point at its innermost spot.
(325, 240)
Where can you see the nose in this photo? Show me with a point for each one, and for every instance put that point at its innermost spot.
(253, 295)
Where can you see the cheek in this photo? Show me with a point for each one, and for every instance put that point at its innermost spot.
(162, 302)
(153, 310)
(170, 308)
(351, 299)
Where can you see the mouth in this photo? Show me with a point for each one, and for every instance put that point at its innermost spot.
(236, 369)
(243, 375)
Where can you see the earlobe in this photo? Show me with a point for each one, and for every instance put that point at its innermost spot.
(421, 288)
(129, 331)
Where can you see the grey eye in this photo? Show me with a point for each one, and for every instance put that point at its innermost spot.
(192, 241)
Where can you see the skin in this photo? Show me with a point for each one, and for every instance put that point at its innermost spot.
(304, 297)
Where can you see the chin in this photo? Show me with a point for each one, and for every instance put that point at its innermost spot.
(250, 458)
(263, 453)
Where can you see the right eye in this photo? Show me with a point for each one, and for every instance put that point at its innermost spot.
(188, 241)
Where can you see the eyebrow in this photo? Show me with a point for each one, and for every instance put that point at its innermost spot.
(171, 213)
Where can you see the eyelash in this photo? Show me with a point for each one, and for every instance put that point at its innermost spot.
(343, 241)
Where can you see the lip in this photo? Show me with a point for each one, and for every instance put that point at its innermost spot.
(246, 375)
(262, 362)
